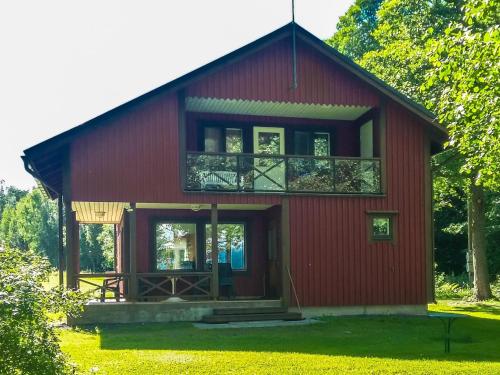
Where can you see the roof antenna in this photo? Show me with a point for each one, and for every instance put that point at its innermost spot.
(294, 49)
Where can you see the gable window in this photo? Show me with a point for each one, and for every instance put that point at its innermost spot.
(311, 143)
(381, 226)
(219, 139)
(231, 245)
(175, 245)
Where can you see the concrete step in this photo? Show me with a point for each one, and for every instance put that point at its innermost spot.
(251, 317)
(250, 310)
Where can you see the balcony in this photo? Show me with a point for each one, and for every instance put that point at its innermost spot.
(220, 172)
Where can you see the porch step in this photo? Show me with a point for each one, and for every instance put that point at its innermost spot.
(228, 318)
(250, 310)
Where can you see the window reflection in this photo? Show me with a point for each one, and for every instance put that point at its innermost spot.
(175, 246)
(231, 244)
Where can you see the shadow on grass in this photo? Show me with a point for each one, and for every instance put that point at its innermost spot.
(478, 307)
(473, 339)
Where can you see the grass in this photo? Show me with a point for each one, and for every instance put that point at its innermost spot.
(366, 345)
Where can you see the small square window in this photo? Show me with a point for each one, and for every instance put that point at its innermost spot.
(381, 226)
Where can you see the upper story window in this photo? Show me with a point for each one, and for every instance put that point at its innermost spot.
(311, 143)
(217, 139)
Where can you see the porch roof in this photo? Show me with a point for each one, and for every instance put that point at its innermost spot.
(278, 109)
(112, 212)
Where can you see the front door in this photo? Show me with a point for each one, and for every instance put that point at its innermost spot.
(269, 170)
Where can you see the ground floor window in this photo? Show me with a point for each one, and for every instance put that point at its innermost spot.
(178, 245)
(231, 245)
(175, 246)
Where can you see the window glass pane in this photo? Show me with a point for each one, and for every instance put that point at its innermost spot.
(301, 143)
(381, 227)
(175, 246)
(231, 245)
(213, 140)
(321, 144)
(234, 140)
(269, 143)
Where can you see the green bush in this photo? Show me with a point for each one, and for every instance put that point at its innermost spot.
(452, 287)
(28, 343)
(495, 287)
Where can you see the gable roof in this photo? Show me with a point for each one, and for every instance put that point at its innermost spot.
(43, 157)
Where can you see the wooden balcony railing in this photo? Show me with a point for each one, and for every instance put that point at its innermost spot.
(281, 173)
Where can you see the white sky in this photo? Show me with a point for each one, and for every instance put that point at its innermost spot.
(64, 62)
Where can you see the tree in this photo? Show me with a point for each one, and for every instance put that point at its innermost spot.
(31, 224)
(96, 247)
(9, 196)
(354, 29)
(409, 35)
(402, 33)
(28, 342)
(464, 82)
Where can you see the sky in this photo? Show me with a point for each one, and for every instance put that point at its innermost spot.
(64, 62)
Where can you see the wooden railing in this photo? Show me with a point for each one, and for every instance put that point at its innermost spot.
(282, 173)
(174, 284)
(153, 285)
(103, 286)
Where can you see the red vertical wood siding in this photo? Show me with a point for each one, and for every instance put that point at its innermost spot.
(135, 158)
(331, 260)
(267, 75)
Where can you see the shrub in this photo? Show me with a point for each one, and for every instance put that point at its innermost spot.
(28, 342)
(495, 287)
(452, 287)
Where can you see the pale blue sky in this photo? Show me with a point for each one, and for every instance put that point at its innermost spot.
(64, 62)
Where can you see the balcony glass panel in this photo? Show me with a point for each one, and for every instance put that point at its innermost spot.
(357, 176)
(212, 172)
(310, 174)
(280, 173)
(262, 172)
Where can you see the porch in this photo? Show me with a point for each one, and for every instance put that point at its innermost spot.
(180, 261)
(161, 312)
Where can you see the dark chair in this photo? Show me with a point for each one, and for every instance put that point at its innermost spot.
(226, 281)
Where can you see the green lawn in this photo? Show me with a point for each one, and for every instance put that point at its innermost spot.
(338, 345)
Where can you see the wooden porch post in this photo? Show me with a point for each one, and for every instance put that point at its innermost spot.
(72, 242)
(60, 224)
(215, 252)
(132, 227)
(285, 251)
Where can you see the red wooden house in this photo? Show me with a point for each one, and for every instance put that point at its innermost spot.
(317, 195)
